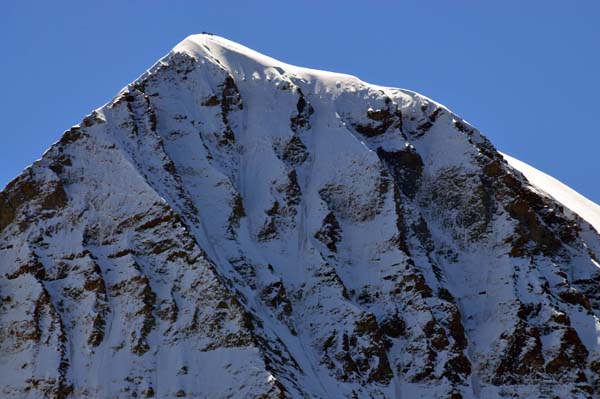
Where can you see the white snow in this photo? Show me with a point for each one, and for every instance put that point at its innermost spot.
(571, 199)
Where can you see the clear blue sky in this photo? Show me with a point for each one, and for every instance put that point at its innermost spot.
(526, 73)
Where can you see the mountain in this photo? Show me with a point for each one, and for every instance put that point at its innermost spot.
(230, 226)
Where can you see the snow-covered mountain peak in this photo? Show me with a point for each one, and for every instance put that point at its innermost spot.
(247, 63)
(233, 226)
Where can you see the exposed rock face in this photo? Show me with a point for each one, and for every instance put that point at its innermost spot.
(231, 226)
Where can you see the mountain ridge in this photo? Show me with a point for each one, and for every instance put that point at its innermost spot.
(571, 199)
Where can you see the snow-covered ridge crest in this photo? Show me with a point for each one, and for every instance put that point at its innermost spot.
(230, 226)
(571, 199)
(238, 58)
(245, 62)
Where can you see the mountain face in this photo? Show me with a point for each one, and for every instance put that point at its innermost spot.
(230, 226)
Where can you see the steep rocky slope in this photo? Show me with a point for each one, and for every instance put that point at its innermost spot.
(233, 226)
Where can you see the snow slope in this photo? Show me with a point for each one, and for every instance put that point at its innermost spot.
(586, 209)
(233, 226)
